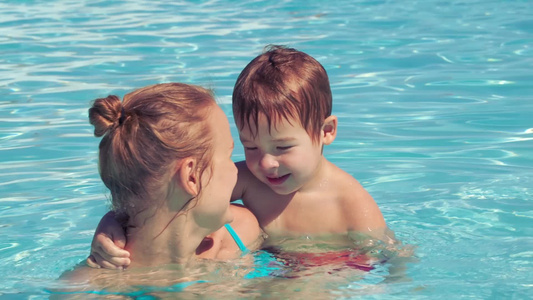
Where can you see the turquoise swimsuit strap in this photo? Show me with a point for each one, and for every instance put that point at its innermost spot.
(236, 238)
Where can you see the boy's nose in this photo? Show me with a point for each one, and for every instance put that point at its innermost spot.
(268, 162)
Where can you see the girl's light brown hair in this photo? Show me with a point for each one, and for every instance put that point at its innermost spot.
(283, 84)
(142, 137)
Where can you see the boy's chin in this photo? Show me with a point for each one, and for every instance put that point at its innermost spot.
(280, 190)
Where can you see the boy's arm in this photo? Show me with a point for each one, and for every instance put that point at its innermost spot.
(368, 229)
(107, 247)
(240, 187)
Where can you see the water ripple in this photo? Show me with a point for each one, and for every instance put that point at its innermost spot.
(433, 100)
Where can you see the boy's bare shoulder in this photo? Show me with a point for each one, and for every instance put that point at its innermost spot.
(359, 208)
(350, 188)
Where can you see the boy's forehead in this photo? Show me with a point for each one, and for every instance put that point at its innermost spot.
(278, 129)
(263, 123)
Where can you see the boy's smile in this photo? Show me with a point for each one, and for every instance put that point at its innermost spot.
(278, 180)
(282, 156)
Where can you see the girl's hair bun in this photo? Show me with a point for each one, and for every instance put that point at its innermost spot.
(105, 113)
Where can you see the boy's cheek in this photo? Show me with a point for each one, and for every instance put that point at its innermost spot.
(250, 157)
(249, 161)
(252, 165)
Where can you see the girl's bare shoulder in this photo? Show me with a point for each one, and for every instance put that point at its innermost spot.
(247, 228)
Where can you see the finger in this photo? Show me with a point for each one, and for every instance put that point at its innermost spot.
(104, 263)
(107, 248)
(119, 238)
(91, 262)
(118, 262)
(120, 241)
(121, 262)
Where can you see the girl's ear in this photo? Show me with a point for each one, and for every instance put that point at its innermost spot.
(188, 176)
(329, 130)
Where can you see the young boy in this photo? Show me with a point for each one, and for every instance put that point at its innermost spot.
(282, 107)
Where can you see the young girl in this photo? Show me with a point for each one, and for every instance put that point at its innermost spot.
(165, 156)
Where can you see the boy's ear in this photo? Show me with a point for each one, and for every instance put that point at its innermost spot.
(329, 130)
(187, 176)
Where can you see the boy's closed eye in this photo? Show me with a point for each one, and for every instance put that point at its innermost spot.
(284, 147)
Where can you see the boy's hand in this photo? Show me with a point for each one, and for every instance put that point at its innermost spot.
(107, 247)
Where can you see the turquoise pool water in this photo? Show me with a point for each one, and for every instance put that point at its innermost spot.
(434, 100)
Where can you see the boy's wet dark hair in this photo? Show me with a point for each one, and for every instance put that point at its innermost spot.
(283, 84)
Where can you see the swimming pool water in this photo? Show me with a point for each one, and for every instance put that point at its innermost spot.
(434, 100)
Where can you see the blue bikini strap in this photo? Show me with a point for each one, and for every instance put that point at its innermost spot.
(236, 238)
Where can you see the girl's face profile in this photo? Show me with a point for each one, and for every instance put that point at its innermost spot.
(220, 177)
